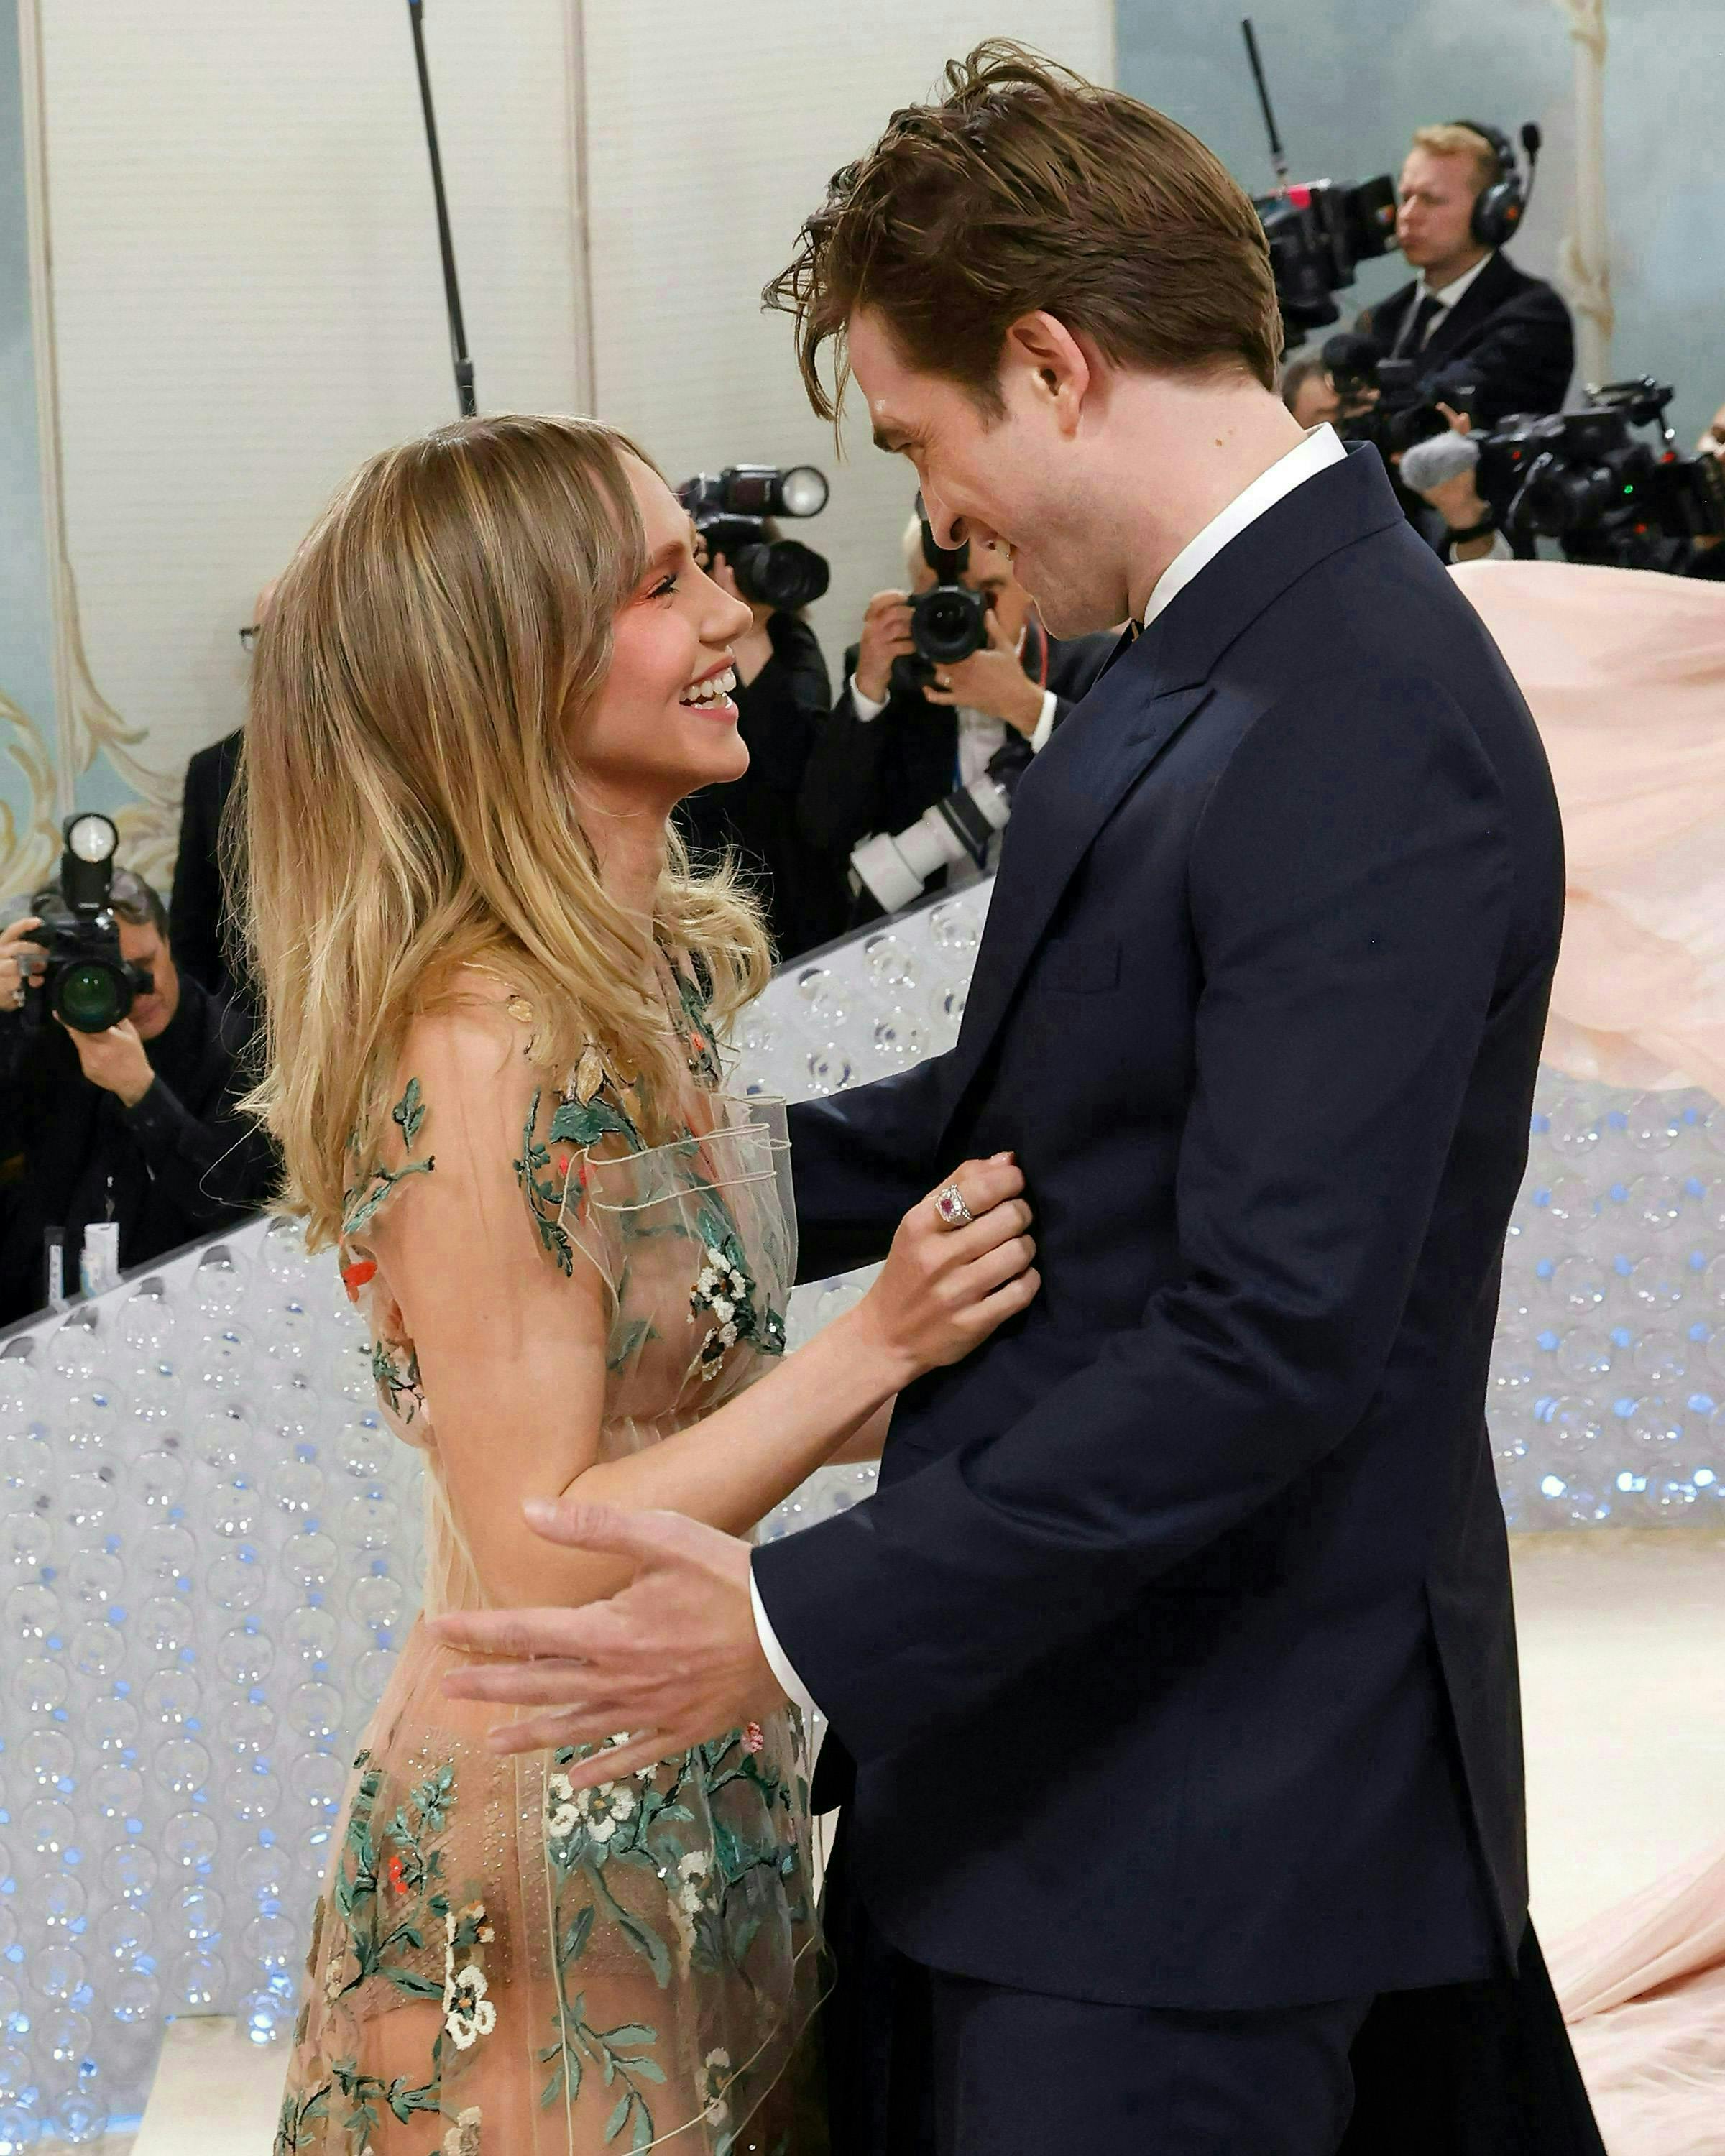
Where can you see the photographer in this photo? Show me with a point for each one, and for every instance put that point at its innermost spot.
(1307, 390)
(1476, 326)
(782, 695)
(1709, 557)
(889, 751)
(137, 1124)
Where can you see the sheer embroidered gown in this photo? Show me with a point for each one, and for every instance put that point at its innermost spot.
(500, 1967)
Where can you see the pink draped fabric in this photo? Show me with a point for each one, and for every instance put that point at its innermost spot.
(1625, 672)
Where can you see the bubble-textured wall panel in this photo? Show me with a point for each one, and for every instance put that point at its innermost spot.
(209, 1546)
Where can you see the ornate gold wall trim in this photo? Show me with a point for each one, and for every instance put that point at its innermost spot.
(86, 725)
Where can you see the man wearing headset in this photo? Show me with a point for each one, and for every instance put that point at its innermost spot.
(1483, 332)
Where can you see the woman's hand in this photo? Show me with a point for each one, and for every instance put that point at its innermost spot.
(19, 959)
(943, 1291)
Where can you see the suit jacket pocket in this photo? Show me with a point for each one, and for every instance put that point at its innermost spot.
(1079, 966)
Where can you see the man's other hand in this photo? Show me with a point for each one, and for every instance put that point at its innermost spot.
(673, 1658)
(116, 1060)
(885, 636)
(992, 681)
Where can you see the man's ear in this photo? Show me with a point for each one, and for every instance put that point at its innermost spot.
(1056, 366)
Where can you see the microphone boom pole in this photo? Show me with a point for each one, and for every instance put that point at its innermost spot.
(452, 289)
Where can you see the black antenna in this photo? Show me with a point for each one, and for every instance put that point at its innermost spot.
(1278, 162)
(452, 290)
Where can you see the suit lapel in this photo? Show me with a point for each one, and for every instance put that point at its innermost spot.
(1061, 805)
(1457, 323)
(1152, 684)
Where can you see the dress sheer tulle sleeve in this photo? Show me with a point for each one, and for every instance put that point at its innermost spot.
(691, 1240)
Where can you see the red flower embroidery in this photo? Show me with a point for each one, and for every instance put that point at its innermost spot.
(354, 1277)
(754, 1737)
(396, 1872)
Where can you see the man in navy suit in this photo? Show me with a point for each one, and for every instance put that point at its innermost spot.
(1172, 1669)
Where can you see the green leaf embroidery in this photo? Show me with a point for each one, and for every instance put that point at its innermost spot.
(409, 1112)
(384, 1182)
(586, 1122)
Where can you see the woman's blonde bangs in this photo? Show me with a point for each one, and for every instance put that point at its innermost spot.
(408, 797)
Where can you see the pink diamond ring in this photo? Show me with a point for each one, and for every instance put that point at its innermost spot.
(950, 1204)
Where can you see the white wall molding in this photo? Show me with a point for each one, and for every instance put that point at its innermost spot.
(1585, 259)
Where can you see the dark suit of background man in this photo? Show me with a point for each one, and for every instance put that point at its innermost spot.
(1175, 1654)
(204, 907)
(202, 912)
(888, 751)
(1471, 318)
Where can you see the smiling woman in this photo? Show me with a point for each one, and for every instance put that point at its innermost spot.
(494, 996)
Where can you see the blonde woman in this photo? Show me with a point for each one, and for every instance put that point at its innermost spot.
(493, 991)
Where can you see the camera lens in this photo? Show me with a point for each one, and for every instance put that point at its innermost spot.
(947, 624)
(90, 997)
(802, 490)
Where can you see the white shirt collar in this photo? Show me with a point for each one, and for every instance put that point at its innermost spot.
(1321, 447)
(1457, 287)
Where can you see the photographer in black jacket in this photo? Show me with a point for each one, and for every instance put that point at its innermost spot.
(1471, 319)
(888, 752)
(783, 693)
(136, 1124)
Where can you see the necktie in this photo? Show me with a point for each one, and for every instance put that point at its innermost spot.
(1414, 330)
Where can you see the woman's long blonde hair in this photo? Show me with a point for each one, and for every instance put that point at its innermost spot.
(411, 798)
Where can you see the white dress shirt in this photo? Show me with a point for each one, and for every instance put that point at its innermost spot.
(1321, 447)
(979, 736)
(1447, 298)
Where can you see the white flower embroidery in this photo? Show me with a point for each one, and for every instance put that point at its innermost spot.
(693, 1870)
(717, 2072)
(468, 2013)
(463, 2138)
(603, 1810)
(561, 1816)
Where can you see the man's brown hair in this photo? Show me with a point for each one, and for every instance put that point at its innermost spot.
(1026, 190)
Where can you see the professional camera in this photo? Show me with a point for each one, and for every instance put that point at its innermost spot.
(1318, 231)
(85, 982)
(1583, 480)
(729, 509)
(894, 868)
(948, 622)
(1400, 414)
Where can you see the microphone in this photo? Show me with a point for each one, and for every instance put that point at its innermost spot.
(1445, 456)
(1531, 141)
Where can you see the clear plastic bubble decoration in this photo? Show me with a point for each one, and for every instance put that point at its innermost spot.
(209, 1546)
(184, 1611)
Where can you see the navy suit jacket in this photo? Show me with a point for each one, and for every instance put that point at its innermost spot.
(1508, 337)
(1175, 1654)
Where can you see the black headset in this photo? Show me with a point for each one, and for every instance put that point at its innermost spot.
(1498, 209)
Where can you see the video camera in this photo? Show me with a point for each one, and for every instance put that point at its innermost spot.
(948, 622)
(85, 982)
(1603, 494)
(730, 511)
(1401, 414)
(1319, 232)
